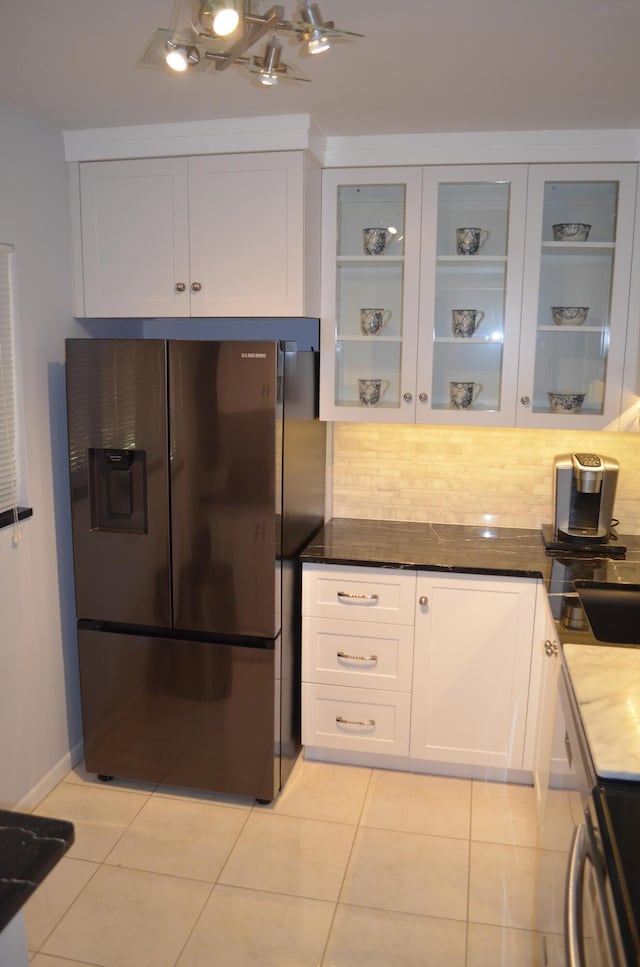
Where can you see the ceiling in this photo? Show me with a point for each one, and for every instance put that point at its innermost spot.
(423, 66)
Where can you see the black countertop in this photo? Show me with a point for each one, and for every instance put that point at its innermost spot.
(507, 551)
(30, 846)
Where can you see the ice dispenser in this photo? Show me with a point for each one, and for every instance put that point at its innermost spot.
(117, 481)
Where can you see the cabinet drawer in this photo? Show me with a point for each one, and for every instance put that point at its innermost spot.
(357, 653)
(359, 719)
(357, 593)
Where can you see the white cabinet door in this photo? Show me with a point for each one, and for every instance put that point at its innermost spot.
(541, 720)
(246, 229)
(470, 299)
(135, 238)
(370, 294)
(571, 368)
(472, 655)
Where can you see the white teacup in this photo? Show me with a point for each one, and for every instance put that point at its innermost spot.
(464, 322)
(469, 240)
(373, 321)
(371, 390)
(375, 240)
(463, 393)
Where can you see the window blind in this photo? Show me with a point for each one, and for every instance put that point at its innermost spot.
(8, 410)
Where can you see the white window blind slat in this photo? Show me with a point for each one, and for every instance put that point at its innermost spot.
(9, 467)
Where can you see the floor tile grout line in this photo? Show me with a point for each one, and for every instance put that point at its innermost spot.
(69, 907)
(346, 867)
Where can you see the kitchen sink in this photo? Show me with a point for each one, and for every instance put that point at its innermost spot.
(613, 610)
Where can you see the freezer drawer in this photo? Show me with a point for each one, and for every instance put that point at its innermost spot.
(180, 712)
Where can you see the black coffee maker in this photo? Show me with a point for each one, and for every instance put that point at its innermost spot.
(584, 490)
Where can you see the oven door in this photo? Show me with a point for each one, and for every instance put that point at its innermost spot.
(590, 938)
(590, 930)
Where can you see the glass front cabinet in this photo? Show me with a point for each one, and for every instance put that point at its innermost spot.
(371, 245)
(470, 292)
(579, 237)
(476, 295)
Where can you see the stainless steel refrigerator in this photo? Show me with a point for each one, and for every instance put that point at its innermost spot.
(197, 475)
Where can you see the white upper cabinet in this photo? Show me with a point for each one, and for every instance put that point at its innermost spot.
(370, 257)
(220, 235)
(572, 361)
(471, 311)
(470, 291)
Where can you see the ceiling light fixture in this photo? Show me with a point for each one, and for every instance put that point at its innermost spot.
(318, 40)
(222, 32)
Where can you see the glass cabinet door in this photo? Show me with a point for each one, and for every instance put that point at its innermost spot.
(369, 316)
(576, 290)
(472, 259)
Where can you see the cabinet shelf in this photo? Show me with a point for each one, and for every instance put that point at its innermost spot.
(372, 340)
(370, 260)
(579, 248)
(598, 330)
(471, 341)
(472, 260)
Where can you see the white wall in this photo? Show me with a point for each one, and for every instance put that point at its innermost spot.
(39, 693)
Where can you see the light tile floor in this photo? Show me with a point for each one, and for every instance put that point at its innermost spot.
(349, 867)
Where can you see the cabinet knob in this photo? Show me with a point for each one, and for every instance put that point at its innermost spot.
(180, 287)
(196, 286)
(550, 648)
(407, 397)
(423, 397)
(423, 600)
(525, 400)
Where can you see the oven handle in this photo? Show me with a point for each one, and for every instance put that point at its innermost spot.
(572, 906)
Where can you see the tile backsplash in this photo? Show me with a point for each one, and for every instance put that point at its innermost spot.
(441, 474)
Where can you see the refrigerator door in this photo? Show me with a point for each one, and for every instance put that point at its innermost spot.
(225, 467)
(179, 712)
(117, 424)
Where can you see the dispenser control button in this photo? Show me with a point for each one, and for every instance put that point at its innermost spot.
(589, 459)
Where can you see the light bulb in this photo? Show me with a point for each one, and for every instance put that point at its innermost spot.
(268, 78)
(225, 21)
(176, 59)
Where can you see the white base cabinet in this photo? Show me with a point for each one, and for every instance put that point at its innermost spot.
(418, 670)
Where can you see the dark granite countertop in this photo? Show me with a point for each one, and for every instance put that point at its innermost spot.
(30, 846)
(507, 551)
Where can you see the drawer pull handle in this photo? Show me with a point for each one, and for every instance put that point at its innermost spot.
(369, 724)
(345, 657)
(357, 597)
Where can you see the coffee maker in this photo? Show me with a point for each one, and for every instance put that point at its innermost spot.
(584, 490)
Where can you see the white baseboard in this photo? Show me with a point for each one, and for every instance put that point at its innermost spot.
(42, 789)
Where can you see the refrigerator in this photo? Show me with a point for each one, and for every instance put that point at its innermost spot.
(197, 475)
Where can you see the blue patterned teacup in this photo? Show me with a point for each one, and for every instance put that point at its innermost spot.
(566, 402)
(463, 393)
(375, 240)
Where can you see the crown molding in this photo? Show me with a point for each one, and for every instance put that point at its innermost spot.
(298, 132)
(282, 132)
(493, 147)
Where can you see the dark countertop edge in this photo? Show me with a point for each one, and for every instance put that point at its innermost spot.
(26, 861)
(519, 572)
